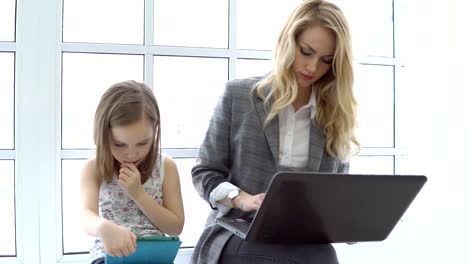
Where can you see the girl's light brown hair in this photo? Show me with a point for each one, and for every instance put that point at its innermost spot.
(336, 105)
(125, 103)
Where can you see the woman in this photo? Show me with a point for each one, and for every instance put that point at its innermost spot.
(301, 116)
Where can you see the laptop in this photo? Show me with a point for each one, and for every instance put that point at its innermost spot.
(150, 250)
(307, 207)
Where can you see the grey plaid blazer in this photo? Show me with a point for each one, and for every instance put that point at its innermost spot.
(238, 149)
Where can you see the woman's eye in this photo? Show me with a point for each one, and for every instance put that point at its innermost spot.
(304, 52)
(328, 61)
(142, 144)
(119, 145)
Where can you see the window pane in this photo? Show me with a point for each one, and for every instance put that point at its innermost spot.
(375, 97)
(202, 23)
(7, 76)
(103, 21)
(74, 238)
(7, 20)
(248, 67)
(187, 90)
(258, 28)
(85, 78)
(372, 165)
(196, 209)
(7, 207)
(370, 38)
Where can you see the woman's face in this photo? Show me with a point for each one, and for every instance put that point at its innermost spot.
(131, 143)
(314, 55)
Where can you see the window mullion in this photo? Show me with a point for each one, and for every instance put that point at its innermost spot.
(27, 120)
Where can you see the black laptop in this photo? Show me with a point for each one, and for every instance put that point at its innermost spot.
(306, 207)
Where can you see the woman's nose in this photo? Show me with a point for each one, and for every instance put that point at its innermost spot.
(312, 65)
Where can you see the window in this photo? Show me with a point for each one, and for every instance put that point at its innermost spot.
(260, 34)
(7, 20)
(58, 56)
(123, 25)
(7, 131)
(375, 80)
(7, 207)
(187, 65)
(7, 99)
(186, 28)
(85, 77)
(188, 89)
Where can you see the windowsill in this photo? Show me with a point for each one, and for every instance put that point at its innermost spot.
(183, 257)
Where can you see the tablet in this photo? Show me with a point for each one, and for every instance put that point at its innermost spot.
(150, 250)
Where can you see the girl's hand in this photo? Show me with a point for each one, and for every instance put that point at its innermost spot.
(130, 180)
(117, 240)
(247, 202)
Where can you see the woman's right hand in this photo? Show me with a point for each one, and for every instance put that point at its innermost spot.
(247, 202)
(117, 240)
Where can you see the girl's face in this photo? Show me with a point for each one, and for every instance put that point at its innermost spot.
(314, 55)
(131, 143)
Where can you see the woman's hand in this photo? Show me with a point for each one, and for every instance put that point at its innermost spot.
(117, 240)
(130, 180)
(247, 202)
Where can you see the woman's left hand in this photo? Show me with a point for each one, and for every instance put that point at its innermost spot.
(130, 180)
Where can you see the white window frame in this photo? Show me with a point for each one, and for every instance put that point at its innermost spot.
(38, 152)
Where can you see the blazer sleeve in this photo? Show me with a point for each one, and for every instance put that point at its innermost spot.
(213, 161)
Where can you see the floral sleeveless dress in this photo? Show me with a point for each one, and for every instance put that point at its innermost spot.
(116, 206)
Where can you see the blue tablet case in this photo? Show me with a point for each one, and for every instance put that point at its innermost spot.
(150, 250)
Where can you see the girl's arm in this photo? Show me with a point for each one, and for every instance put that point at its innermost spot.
(117, 240)
(89, 190)
(168, 218)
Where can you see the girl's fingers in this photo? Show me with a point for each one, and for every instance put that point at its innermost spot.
(122, 182)
(134, 238)
(130, 249)
(125, 170)
(124, 252)
(129, 166)
(123, 177)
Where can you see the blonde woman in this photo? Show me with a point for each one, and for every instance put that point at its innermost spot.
(301, 116)
(129, 189)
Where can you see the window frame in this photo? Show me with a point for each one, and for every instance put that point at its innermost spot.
(38, 72)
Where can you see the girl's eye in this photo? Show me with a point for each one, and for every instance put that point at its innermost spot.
(304, 52)
(142, 144)
(327, 61)
(119, 145)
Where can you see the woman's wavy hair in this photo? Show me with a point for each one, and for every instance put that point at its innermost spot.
(336, 105)
(125, 103)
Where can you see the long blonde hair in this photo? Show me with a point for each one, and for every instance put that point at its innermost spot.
(336, 105)
(123, 104)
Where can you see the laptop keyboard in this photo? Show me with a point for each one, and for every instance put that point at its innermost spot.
(242, 225)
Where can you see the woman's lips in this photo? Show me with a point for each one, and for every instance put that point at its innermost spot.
(307, 77)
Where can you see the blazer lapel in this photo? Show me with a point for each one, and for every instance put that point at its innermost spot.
(271, 131)
(316, 146)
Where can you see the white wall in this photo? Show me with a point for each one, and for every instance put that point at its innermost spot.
(435, 131)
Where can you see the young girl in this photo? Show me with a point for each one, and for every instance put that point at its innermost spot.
(130, 189)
